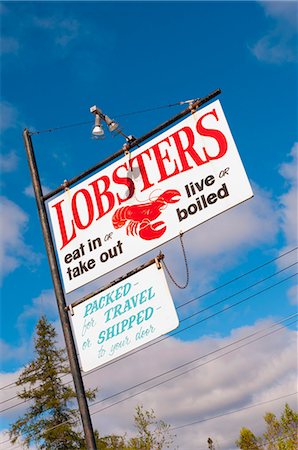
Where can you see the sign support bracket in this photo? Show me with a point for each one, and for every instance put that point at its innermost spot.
(156, 260)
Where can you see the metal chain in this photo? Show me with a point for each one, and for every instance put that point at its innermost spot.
(186, 267)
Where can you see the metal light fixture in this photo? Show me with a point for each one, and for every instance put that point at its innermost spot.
(112, 125)
(98, 131)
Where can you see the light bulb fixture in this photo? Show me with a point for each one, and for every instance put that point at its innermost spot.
(113, 126)
(111, 123)
(98, 131)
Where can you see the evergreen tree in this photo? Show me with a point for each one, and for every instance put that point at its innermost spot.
(51, 418)
(51, 401)
(280, 434)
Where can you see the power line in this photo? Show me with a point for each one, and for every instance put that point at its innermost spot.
(254, 269)
(239, 292)
(179, 331)
(233, 412)
(186, 371)
(183, 365)
(213, 290)
(174, 377)
(133, 352)
(254, 405)
(78, 124)
(201, 357)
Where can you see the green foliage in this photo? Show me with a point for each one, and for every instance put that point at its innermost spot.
(247, 440)
(279, 434)
(112, 442)
(51, 402)
(152, 433)
(51, 418)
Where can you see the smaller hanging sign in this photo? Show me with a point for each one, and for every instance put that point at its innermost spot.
(129, 314)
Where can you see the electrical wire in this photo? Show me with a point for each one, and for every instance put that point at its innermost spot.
(227, 413)
(254, 269)
(177, 332)
(252, 334)
(212, 290)
(78, 124)
(234, 411)
(201, 357)
(180, 331)
(163, 338)
(239, 292)
(183, 373)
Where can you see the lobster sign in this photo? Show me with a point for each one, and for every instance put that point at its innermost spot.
(139, 219)
(180, 179)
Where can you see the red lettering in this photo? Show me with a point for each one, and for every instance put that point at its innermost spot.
(126, 181)
(105, 193)
(189, 148)
(164, 175)
(65, 238)
(141, 166)
(215, 134)
(76, 216)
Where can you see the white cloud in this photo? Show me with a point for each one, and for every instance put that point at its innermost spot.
(288, 201)
(8, 162)
(274, 49)
(289, 170)
(65, 30)
(8, 116)
(30, 192)
(285, 11)
(279, 44)
(245, 225)
(44, 304)
(16, 406)
(13, 249)
(69, 31)
(215, 245)
(293, 295)
(261, 371)
(18, 353)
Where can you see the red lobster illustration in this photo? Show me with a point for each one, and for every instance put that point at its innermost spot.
(139, 217)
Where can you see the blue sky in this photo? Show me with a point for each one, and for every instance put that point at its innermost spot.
(60, 58)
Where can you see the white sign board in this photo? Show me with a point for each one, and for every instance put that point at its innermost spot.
(178, 180)
(123, 317)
